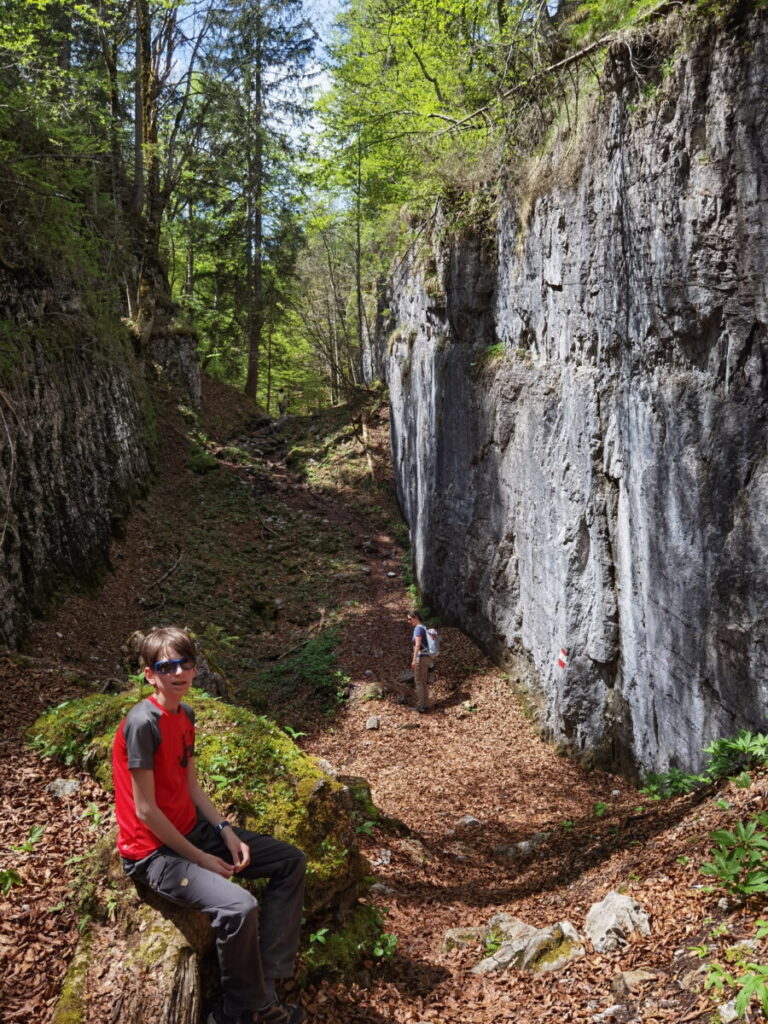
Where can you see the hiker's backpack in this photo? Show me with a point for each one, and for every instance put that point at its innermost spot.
(433, 641)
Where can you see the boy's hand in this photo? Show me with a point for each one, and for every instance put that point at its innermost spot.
(211, 862)
(241, 854)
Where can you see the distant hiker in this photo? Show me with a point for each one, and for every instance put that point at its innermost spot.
(421, 661)
(282, 404)
(173, 839)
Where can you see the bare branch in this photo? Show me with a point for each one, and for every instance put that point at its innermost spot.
(430, 78)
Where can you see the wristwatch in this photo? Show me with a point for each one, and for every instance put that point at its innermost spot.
(218, 829)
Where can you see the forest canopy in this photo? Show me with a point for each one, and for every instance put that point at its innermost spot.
(221, 159)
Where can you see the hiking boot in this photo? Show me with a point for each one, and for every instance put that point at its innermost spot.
(280, 1013)
(215, 1017)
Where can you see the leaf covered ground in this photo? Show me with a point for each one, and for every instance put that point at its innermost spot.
(271, 542)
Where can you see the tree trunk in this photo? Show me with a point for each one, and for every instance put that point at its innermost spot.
(360, 375)
(255, 231)
(143, 64)
(269, 370)
(189, 276)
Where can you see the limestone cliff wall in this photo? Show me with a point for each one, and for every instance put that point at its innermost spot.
(579, 410)
(74, 425)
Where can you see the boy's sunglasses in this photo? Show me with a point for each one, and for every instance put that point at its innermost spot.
(169, 668)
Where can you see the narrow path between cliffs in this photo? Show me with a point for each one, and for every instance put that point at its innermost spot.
(487, 817)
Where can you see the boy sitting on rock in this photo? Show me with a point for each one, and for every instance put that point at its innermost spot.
(172, 838)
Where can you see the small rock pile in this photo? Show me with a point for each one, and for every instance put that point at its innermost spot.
(521, 945)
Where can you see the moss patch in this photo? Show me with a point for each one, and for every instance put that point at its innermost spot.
(80, 732)
(70, 1008)
(551, 958)
(362, 938)
(201, 461)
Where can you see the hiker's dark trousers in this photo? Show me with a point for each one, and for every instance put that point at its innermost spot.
(253, 943)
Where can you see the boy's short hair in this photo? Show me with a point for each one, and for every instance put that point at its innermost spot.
(414, 614)
(161, 639)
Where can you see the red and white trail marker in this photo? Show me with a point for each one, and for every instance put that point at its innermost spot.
(562, 659)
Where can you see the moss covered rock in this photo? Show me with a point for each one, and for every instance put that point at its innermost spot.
(70, 1007)
(200, 461)
(153, 972)
(252, 771)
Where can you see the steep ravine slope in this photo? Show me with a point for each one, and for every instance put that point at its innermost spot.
(600, 485)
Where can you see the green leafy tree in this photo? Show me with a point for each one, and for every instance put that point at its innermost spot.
(327, 303)
(417, 111)
(55, 200)
(254, 87)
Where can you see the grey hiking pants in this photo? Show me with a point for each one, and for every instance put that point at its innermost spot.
(252, 943)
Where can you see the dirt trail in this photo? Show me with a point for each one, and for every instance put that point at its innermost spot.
(467, 780)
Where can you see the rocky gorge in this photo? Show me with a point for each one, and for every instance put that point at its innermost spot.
(578, 402)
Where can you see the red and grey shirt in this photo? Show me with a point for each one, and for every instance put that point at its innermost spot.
(151, 737)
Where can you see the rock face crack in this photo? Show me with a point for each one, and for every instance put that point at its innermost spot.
(601, 486)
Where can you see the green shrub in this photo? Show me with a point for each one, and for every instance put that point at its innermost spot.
(749, 980)
(671, 783)
(728, 757)
(751, 984)
(739, 859)
(8, 878)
